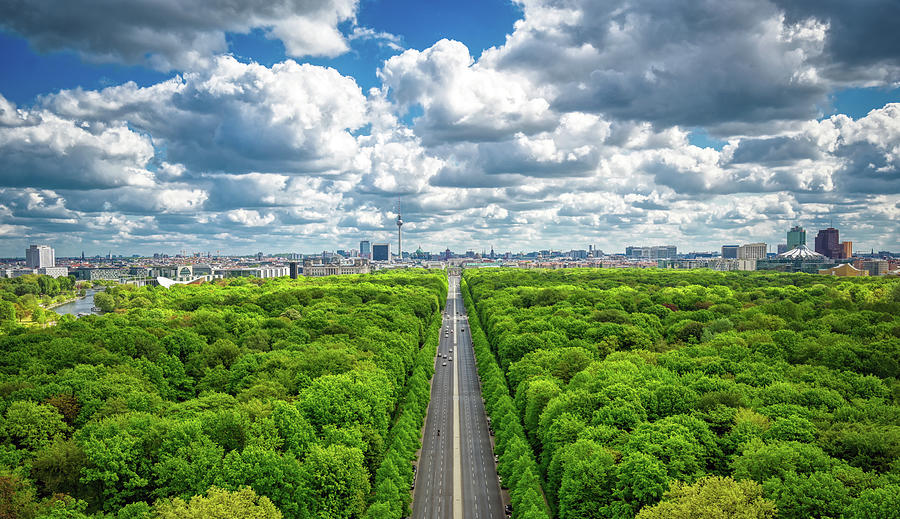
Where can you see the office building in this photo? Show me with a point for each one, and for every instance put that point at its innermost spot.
(257, 272)
(365, 249)
(846, 249)
(94, 274)
(313, 268)
(381, 252)
(651, 253)
(730, 251)
(796, 237)
(720, 264)
(752, 251)
(782, 248)
(828, 243)
(53, 272)
(876, 267)
(37, 256)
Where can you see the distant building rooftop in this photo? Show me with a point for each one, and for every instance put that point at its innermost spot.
(801, 252)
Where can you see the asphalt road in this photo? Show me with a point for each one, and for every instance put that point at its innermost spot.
(456, 394)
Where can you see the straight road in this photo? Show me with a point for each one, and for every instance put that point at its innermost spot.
(457, 476)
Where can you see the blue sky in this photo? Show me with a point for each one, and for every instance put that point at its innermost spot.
(519, 124)
(478, 24)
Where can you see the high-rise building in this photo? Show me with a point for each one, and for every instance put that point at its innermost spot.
(828, 243)
(730, 251)
(381, 252)
(782, 248)
(752, 251)
(846, 249)
(37, 256)
(365, 249)
(652, 253)
(399, 234)
(796, 237)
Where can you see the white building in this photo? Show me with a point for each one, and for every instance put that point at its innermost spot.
(752, 251)
(259, 272)
(318, 269)
(54, 272)
(37, 256)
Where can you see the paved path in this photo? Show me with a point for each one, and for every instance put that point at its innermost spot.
(457, 477)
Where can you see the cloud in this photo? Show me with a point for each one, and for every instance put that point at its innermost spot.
(53, 152)
(671, 63)
(575, 131)
(236, 117)
(175, 35)
(249, 218)
(387, 39)
(461, 100)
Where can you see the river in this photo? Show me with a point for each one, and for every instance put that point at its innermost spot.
(79, 306)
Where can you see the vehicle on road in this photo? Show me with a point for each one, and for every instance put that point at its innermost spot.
(444, 364)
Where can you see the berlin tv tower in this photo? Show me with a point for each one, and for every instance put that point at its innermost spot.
(399, 234)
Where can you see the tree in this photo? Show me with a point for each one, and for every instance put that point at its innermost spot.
(587, 482)
(243, 503)
(336, 481)
(641, 480)
(7, 311)
(104, 301)
(883, 503)
(712, 498)
(32, 425)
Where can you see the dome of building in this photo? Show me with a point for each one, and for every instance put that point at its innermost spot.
(801, 252)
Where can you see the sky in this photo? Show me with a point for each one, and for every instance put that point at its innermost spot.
(297, 125)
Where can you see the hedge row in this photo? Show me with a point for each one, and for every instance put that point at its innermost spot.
(394, 476)
(517, 465)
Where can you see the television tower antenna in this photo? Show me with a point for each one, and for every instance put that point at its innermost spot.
(399, 233)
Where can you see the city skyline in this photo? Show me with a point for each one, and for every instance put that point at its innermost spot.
(772, 246)
(523, 125)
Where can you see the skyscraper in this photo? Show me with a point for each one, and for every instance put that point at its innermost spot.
(381, 252)
(399, 234)
(365, 249)
(796, 237)
(37, 256)
(828, 243)
(846, 249)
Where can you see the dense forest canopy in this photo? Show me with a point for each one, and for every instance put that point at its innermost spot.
(698, 394)
(276, 398)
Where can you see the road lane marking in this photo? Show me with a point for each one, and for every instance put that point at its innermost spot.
(457, 437)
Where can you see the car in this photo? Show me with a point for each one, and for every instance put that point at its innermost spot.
(444, 364)
(451, 358)
(462, 329)
(451, 350)
(490, 431)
